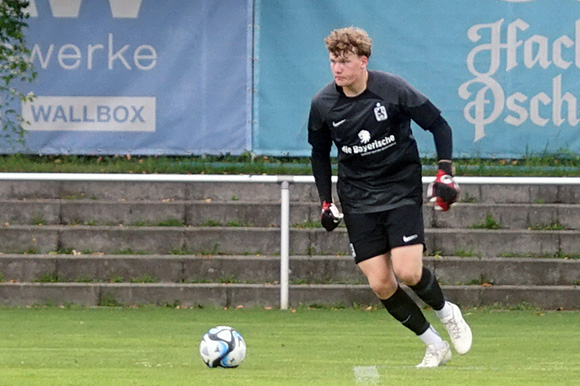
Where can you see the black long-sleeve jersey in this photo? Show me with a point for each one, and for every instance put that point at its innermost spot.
(378, 161)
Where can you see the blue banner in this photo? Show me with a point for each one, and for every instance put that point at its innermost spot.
(505, 73)
(139, 77)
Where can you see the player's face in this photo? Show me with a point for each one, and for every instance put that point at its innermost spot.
(348, 68)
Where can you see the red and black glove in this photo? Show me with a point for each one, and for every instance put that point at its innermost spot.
(443, 192)
(330, 216)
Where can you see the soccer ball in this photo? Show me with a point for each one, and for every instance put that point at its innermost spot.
(222, 346)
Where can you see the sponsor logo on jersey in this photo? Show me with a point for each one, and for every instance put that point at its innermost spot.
(336, 124)
(364, 136)
(380, 112)
(370, 147)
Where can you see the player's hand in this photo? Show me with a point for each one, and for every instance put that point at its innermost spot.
(443, 192)
(330, 216)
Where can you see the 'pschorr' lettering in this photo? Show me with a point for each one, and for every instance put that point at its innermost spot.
(488, 100)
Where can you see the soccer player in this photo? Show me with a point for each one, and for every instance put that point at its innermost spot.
(367, 114)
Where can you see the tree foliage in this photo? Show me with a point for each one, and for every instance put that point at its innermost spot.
(16, 67)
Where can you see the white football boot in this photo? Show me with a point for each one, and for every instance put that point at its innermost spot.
(435, 356)
(458, 330)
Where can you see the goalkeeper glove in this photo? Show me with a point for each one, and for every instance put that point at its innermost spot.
(443, 192)
(330, 216)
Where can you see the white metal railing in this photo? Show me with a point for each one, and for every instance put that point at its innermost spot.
(284, 182)
(261, 178)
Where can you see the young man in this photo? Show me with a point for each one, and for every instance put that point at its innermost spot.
(367, 115)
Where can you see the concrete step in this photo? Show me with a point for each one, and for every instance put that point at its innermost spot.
(218, 266)
(153, 191)
(254, 214)
(196, 213)
(267, 295)
(507, 216)
(266, 269)
(256, 192)
(266, 241)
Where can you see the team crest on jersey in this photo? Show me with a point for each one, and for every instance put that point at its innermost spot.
(380, 112)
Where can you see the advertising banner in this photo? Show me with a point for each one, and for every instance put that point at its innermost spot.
(505, 73)
(139, 77)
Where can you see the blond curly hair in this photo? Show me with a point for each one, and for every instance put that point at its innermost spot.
(349, 39)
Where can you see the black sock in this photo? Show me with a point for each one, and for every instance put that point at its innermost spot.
(406, 311)
(429, 291)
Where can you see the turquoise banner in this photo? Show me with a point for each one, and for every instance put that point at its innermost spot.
(505, 73)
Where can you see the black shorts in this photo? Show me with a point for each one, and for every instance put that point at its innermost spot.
(373, 234)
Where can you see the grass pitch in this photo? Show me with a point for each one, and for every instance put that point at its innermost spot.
(159, 346)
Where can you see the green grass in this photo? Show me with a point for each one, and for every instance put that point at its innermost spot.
(552, 226)
(159, 346)
(489, 223)
(563, 163)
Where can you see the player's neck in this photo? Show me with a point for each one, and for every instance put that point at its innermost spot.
(357, 87)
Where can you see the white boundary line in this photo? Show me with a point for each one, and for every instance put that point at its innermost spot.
(366, 375)
(369, 375)
(117, 177)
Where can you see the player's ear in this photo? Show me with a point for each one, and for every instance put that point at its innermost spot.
(364, 60)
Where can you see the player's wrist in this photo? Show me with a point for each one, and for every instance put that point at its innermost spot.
(447, 166)
(326, 204)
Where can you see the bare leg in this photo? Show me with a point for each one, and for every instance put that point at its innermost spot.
(399, 304)
(380, 275)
